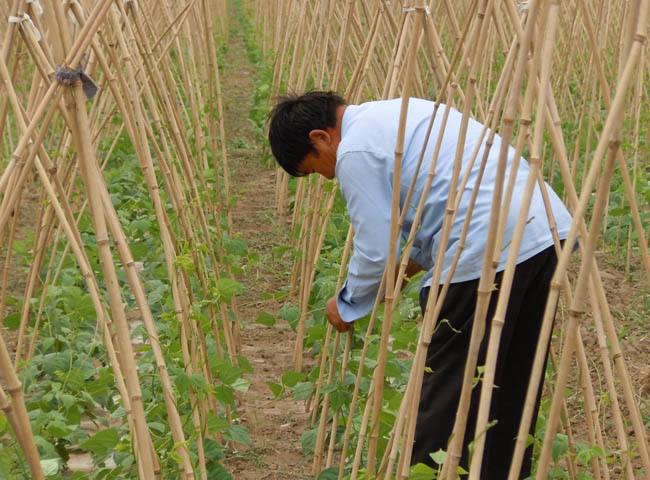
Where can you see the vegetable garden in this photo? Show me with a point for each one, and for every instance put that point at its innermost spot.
(148, 241)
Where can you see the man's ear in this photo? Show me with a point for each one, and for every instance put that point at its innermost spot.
(318, 135)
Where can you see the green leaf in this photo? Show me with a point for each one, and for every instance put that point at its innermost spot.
(244, 364)
(228, 373)
(225, 394)
(439, 457)
(102, 442)
(3, 425)
(421, 472)
(12, 321)
(216, 423)
(218, 472)
(308, 441)
(58, 429)
(265, 318)
(157, 427)
(226, 288)
(560, 446)
(238, 433)
(302, 390)
(331, 473)
(236, 246)
(58, 361)
(290, 313)
(185, 262)
(275, 388)
(67, 400)
(6, 462)
(290, 379)
(50, 466)
(241, 385)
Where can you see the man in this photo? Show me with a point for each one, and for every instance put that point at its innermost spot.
(319, 133)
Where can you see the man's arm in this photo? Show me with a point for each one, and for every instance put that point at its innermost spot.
(367, 191)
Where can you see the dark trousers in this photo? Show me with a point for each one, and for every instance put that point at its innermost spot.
(446, 358)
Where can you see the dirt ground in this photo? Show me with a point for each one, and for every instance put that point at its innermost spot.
(26, 216)
(275, 424)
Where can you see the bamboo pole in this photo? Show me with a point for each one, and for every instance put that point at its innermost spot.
(498, 320)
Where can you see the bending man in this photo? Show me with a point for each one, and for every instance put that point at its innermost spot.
(319, 133)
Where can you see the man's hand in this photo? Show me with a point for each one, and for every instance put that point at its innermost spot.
(334, 318)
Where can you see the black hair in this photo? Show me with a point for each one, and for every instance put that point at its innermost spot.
(291, 120)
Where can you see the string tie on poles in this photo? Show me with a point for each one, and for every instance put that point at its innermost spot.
(70, 76)
(425, 10)
(36, 6)
(25, 19)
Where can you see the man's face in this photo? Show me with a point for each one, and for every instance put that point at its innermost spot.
(314, 162)
(323, 159)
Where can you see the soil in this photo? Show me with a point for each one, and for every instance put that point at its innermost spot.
(18, 267)
(275, 425)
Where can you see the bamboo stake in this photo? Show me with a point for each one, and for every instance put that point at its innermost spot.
(17, 413)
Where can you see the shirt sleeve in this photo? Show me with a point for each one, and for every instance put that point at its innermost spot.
(365, 185)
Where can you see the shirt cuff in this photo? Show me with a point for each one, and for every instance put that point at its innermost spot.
(351, 309)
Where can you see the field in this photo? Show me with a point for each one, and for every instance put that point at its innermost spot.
(163, 282)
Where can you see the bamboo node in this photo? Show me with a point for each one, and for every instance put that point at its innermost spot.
(69, 77)
(484, 293)
(576, 313)
(14, 388)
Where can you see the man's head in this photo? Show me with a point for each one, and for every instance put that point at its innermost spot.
(304, 132)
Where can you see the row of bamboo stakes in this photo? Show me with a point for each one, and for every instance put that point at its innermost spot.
(156, 67)
(525, 69)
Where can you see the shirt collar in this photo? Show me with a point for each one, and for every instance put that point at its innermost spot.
(349, 113)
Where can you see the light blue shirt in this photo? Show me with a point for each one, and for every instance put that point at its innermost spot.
(364, 169)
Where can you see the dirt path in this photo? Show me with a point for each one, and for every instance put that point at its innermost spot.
(275, 424)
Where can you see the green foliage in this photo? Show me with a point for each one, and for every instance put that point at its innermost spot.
(265, 318)
(227, 288)
(238, 434)
(263, 62)
(331, 473)
(422, 472)
(69, 380)
(102, 442)
(308, 441)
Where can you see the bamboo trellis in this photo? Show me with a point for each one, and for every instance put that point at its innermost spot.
(558, 80)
